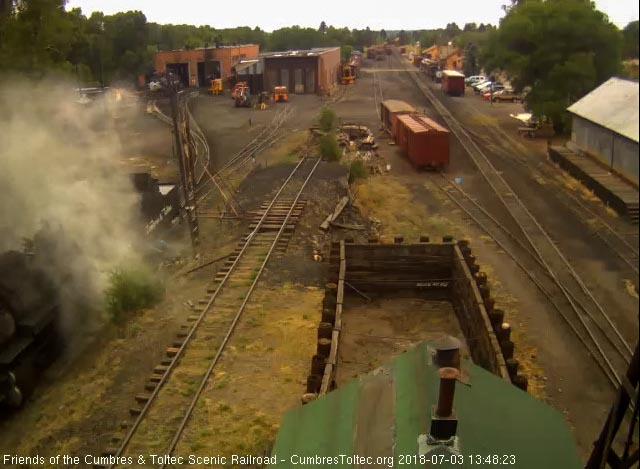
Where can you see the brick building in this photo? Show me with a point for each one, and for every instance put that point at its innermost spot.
(313, 71)
(196, 65)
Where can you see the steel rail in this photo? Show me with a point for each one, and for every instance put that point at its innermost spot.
(608, 234)
(232, 327)
(127, 439)
(609, 370)
(485, 165)
(267, 137)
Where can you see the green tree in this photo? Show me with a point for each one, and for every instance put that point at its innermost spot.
(630, 35)
(345, 53)
(561, 49)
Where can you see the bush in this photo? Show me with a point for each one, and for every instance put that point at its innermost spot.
(327, 119)
(357, 170)
(329, 148)
(130, 291)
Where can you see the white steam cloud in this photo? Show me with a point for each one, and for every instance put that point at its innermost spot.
(59, 165)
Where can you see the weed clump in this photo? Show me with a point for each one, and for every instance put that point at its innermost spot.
(131, 290)
(327, 119)
(357, 171)
(329, 148)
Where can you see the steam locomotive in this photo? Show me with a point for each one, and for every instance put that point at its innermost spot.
(29, 315)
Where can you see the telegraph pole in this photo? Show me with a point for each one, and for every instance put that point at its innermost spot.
(186, 176)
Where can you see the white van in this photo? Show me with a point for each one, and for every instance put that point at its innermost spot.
(474, 79)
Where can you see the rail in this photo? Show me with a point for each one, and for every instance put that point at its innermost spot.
(310, 165)
(553, 260)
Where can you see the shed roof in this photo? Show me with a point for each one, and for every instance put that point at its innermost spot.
(314, 52)
(613, 105)
(394, 105)
(385, 413)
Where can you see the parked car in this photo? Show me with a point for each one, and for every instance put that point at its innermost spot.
(474, 79)
(506, 96)
(489, 87)
(478, 84)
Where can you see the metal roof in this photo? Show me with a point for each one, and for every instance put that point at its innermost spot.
(613, 105)
(388, 412)
(394, 105)
(452, 73)
(313, 52)
(431, 124)
(418, 123)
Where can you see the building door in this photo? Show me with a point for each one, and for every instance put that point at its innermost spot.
(299, 83)
(284, 77)
(272, 79)
(310, 80)
(212, 69)
(180, 70)
(202, 78)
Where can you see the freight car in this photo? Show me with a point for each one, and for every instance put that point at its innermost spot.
(29, 314)
(389, 112)
(425, 142)
(453, 83)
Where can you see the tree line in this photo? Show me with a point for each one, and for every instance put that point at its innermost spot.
(40, 37)
(558, 49)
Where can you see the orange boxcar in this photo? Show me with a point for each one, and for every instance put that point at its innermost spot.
(425, 142)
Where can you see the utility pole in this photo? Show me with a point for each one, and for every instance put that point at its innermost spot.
(186, 172)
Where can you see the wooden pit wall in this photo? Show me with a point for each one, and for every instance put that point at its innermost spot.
(482, 324)
(451, 273)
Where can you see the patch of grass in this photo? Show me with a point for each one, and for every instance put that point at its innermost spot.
(327, 119)
(224, 408)
(329, 148)
(196, 446)
(131, 290)
(357, 171)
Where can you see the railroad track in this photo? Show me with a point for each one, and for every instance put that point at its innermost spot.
(587, 329)
(569, 294)
(378, 96)
(176, 385)
(266, 138)
(621, 245)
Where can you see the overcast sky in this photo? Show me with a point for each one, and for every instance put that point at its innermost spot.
(270, 15)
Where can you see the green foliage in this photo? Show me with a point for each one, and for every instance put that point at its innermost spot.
(327, 119)
(329, 147)
(345, 53)
(561, 49)
(357, 171)
(630, 36)
(130, 291)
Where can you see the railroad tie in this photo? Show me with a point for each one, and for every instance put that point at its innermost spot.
(142, 398)
(150, 386)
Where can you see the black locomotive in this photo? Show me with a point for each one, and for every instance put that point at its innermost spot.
(30, 287)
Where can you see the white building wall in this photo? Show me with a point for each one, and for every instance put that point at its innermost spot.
(609, 147)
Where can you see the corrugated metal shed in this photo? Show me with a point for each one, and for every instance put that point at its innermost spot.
(387, 413)
(613, 105)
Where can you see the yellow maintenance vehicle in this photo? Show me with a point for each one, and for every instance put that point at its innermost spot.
(216, 87)
(348, 77)
(280, 94)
